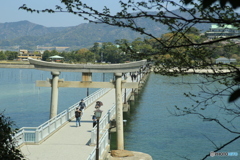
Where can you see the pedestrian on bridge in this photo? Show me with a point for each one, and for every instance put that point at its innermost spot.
(82, 106)
(94, 120)
(78, 117)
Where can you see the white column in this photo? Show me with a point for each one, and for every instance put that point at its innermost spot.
(119, 111)
(54, 94)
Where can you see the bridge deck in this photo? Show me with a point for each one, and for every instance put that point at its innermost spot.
(70, 142)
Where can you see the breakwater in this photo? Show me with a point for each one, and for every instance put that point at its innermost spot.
(214, 70)
(9, 65)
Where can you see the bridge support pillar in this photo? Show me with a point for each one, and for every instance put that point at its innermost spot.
(119, 111)
(54, 94)
(132, 96)
(126, 107)
(136, 91)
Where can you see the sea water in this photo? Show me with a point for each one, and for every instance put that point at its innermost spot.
(151, 126)
(29, 105)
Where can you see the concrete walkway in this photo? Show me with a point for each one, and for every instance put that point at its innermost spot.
(70, 142)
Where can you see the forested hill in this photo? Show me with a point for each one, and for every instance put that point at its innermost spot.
(28, 35)
(12, 30)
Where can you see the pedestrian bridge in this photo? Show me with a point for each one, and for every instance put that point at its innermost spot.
(60, 139)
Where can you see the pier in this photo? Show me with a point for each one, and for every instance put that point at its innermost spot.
(69, 141)
(59, 138)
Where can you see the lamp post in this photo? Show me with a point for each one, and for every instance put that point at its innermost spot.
(125, 96)
(103, 77)
(87, 92)
(98, 114)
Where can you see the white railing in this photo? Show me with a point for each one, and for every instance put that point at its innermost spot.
(103, 143)
(104, 121)
(36, 134)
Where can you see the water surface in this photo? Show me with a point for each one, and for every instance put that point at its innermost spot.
(150, 127)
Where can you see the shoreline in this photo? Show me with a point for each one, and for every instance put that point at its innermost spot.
(197, 71)
(16, 65)
(200, 71)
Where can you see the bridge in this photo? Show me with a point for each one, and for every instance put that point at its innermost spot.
(59, 138)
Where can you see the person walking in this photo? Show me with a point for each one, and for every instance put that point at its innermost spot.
(82, 106)
(78, 117)
(94, 120)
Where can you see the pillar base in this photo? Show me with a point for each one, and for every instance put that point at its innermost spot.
(134, 156)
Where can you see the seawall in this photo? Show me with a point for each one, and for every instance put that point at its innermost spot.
(9, 65)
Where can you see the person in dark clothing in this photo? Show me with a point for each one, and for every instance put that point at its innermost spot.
(78, 117)
(82, 106)
(94, 120)
(132, 77)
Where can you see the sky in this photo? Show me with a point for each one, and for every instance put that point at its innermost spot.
(10, 13)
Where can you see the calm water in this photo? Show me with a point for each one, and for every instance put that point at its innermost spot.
(150, 127)
(28, 105)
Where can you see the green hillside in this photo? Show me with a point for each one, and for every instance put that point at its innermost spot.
(28, 35)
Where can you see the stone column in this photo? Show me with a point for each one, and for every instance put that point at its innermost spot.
(119, 111)
(54, 94)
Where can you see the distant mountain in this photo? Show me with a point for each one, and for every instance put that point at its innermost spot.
(11, 30)
(28, 35)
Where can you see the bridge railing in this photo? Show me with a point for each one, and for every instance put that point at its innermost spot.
(103, 143)
(104, 121)
(36, 134)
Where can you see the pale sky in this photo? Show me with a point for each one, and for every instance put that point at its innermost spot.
(10, 13)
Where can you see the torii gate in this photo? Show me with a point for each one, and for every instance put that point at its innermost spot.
(87, 70)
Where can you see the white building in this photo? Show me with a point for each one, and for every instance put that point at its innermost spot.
(225, 60)
(217, 31)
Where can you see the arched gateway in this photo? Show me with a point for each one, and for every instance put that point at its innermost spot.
(87, 70)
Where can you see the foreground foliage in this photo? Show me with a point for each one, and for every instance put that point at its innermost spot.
(8, 150)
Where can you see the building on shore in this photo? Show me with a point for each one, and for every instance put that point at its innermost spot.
(217, 31)
(24, 54)
(52, 48)
(225, 60)
(56, 58)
